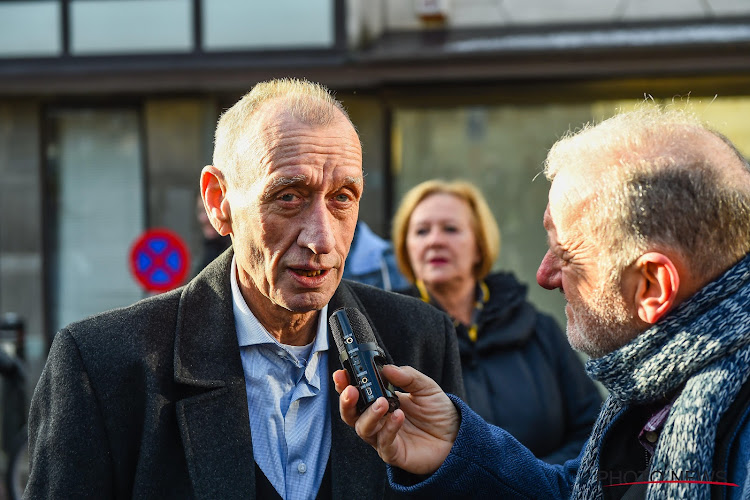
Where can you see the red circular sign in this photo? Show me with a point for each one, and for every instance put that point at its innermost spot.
(159, 260)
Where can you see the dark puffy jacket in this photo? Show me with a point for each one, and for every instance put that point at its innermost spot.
(522, 375)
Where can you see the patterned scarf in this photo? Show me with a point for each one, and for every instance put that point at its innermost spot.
(705, 345)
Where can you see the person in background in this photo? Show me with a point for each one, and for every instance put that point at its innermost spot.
(213, 243)
(519, 372)
(221, 388)
(648, 225)
(371, 261)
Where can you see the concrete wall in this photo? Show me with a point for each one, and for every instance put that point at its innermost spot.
(402, 14)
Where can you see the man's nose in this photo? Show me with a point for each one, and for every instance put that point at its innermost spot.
(318, 229)
(549, 274)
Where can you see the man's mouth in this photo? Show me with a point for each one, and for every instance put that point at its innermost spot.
(308, 273)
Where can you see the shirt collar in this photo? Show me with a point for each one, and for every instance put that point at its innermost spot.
(249, 330)
(649, 434)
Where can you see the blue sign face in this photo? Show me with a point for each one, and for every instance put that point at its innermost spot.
(159, 260)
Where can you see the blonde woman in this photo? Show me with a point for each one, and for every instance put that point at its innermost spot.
(518, 368)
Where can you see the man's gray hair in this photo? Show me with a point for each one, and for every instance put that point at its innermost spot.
(308, 102)
(664, 181)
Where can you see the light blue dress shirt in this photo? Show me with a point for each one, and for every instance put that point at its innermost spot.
(287, 399)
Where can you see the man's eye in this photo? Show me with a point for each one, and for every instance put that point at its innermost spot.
(342, 198)
(563, 255)
(287, 197)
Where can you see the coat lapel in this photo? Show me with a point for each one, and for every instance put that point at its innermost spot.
(213, 415)
(350, 456)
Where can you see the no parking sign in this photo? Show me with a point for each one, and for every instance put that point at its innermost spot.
(159, 260)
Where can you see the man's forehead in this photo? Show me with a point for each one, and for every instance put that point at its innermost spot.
(275, 116)
(552, 224)
(568, 189)
(280, 140)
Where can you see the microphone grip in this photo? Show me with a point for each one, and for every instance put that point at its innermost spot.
(364, 367)
(364, 362)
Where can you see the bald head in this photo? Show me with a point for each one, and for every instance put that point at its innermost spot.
(653, 179)
(242, 127)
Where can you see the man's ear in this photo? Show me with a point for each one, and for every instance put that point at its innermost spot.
(658, 282)
(214, 194)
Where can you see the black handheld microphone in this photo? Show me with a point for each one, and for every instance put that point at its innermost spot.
(361, 356)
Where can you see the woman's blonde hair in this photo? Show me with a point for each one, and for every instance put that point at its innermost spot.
(482, 222)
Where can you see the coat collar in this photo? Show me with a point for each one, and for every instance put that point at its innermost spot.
(207, 364)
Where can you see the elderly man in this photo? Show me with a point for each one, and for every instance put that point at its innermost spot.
(221, 389)
(649, 238)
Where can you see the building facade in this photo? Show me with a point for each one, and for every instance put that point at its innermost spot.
(107, 109)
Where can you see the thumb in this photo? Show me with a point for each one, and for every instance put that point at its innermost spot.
(410, 380)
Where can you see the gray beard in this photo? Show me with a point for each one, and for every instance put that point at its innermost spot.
(603, 326)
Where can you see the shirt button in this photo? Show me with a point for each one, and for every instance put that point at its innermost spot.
(302, 468)
(651, 436)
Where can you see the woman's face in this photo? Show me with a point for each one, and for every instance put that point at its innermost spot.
(440, 241)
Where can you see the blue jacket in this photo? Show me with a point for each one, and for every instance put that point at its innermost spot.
(487, 462)
(371, 261)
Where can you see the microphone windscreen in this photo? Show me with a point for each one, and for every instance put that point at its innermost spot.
(359, 325)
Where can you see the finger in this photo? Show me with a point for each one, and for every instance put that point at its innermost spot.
(410, 380)
(370, 422)
(387, 445)
(340, 380)
(348, 405)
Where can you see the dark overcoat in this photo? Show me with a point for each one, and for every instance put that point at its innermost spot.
(149, 401)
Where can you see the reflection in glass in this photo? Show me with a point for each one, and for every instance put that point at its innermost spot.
(30, 29)
(243, 25)
(130, 26)
(94, 160)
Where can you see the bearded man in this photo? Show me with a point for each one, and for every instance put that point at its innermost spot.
(648, 225)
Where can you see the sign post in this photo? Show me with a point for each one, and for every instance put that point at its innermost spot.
(159, 260)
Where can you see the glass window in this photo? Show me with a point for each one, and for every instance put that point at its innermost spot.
(30, 29)
(502, 149)
(97, 209)
(243, 25)
(130, 26)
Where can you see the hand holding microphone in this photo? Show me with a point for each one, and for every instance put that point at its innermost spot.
(418, 434)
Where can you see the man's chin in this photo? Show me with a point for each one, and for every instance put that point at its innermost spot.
(305, 302)
(613, 339)
(581, 343)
